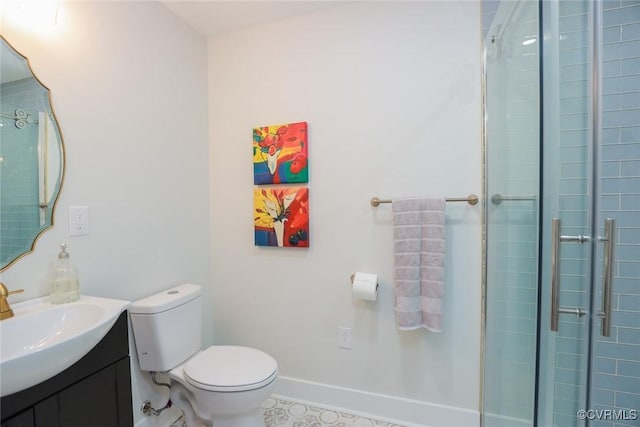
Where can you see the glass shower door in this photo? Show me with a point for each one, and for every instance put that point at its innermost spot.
(589, 372)
(512, 109)
(567, 241)
(562, 273)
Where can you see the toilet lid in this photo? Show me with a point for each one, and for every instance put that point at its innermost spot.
(231, 368)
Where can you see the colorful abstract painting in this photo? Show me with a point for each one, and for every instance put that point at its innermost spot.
(280, 154)
(281, 216)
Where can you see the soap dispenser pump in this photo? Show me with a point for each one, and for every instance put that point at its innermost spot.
(66, 285)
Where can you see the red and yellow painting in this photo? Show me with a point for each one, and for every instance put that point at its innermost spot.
(281, 217)
(280, 154)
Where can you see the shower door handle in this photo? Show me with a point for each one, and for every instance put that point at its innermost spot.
(607, 274)
(555, 273)
(556, 238)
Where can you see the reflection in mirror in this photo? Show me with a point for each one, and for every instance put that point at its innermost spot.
(31, 157)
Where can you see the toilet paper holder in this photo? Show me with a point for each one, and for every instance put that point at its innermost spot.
(353, 277)
(364, 286)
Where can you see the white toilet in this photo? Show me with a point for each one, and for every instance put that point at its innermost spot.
(223, 385)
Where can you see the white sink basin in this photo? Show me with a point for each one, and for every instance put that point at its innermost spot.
(43, 339)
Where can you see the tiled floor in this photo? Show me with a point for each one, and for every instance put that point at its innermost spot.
(283, 413)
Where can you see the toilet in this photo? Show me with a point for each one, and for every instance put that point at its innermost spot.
(223, 386)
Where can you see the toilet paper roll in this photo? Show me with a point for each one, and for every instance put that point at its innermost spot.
(365, 286)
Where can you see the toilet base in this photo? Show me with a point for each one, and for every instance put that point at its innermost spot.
(180, 400)
(242, 409)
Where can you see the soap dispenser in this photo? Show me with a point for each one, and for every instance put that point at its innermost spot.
(66, 286)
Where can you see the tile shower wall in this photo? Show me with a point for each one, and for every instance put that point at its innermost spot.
(616, 373)
(19, 212)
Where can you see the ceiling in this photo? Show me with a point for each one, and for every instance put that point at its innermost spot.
(212, 17)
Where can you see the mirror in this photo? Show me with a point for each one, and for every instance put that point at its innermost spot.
(31, 157)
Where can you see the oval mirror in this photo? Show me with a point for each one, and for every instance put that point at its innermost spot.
(31, 157)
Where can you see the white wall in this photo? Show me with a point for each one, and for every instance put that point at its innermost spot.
(391, 93)
(127, 81)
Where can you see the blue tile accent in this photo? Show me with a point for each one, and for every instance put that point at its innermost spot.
(611, 202)
(616, 382)
(630, 66)
(629, 168)
(610, 136)
(604, 365)
(620, 185)
(611, 69)
(621, 16)
(621, 118)
(629, 368)
(631, 32)
(624, 50)
(630, 269)
(627, 400)
(631, 202)
(611, 102)
(626, 285)
(609, 170)
(616, 351)
(611, 35)
(603, 397)
(621, 84)
(630, 134)
(621, 152)
(630, 100)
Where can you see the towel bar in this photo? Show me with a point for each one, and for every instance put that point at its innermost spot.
(472, 199)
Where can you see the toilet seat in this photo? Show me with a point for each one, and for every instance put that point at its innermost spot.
(230, 369)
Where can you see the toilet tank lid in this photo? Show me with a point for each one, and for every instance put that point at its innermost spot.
(166, 299)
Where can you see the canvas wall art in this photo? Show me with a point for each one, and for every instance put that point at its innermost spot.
(281, 216)
(280, 154)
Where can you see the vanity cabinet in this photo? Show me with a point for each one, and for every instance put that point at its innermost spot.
(95, 391)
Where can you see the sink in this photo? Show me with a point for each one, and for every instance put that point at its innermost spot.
(44, 339)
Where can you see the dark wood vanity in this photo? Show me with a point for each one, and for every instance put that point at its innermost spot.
(94, 392)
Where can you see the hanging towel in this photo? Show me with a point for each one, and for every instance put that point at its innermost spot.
(418, 250)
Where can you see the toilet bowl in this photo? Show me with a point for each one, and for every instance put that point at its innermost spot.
(227, 385)
(220, 385)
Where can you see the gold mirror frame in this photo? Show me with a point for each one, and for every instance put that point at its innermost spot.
(29, 246)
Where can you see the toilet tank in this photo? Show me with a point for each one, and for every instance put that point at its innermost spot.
(167, 327)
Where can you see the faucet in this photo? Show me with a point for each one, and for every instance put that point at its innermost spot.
(5, 310)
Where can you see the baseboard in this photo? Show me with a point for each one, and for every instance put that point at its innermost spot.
(397, 410)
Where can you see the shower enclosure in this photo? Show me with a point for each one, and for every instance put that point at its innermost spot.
(562, 236)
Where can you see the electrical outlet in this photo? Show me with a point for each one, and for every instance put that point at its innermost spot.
(344, 337)
(78, 220)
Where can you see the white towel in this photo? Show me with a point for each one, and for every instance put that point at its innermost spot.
(419, 249)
